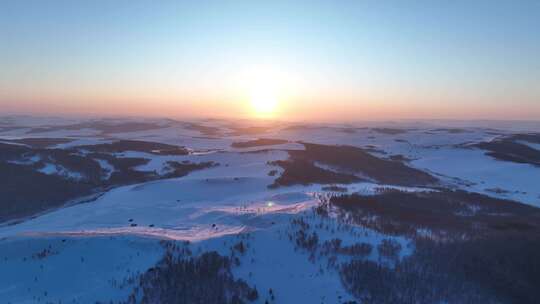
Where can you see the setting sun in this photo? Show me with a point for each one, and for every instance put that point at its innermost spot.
(264, 104)
(264, 88)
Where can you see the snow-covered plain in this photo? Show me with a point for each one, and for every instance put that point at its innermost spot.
(94, 246)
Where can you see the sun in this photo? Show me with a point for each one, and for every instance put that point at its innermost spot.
(264, 104)
(263, 89)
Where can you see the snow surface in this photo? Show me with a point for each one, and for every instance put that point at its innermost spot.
(56, 169)
(95, 246)
(483, 173)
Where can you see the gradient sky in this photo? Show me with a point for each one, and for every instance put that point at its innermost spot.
(326, 60)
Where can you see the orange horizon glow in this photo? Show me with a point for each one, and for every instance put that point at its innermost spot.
(264, 91)
(312, 109)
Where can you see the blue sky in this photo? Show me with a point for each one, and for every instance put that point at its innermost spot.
(447, 59)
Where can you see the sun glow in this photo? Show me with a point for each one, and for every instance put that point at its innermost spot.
(265, 89)
(264, 104)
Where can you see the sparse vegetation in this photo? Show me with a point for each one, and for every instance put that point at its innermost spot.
(480, 254)
(135, 145)
(334, 188)
(305, 172)
(445, 213)
(39, 143)
(494, 270)
(349, 164)
(258, 142)
(182, 278)
(103, 126)
(389, 131)
(508, 150)
(179, 169)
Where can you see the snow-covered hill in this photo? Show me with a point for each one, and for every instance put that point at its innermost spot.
(96, 249)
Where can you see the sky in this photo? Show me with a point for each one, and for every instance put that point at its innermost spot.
(306, 60)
